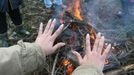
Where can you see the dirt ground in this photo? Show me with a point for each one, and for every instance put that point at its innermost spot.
(34, 12)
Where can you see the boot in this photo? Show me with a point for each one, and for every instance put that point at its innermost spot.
(49, 11)
(20, 31)
(3, 40)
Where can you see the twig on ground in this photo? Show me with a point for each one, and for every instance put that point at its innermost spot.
(54, 64)
(122, 69)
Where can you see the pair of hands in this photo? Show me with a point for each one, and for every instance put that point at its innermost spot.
(96, 56)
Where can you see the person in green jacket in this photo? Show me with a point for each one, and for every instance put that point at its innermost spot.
(25, 57)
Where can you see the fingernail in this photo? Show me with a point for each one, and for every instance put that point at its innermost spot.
(61, 27)
(64, 44)
(88, 36)
(54, 19)
(99, 34)
(41, 23)
(50, 20)
(102, 37)
(73, 52)
(53, 22)
(109, 45)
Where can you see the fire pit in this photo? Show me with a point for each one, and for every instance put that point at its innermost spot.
(73, 35)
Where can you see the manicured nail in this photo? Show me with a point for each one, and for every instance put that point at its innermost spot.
(73, 52)
(88, 36)
(54, 20)
(99, 35)
(102, 37)
(109, 45)
(61, 27)
(63, 44)
(50, 21)
(41, 23)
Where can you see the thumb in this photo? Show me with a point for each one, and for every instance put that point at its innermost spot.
(59, 45)
(79, 58)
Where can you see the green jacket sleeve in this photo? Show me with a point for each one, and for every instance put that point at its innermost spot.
(21, 59)
(87, 70)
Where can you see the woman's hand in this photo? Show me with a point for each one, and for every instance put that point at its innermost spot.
(97, 55)
(45, 38)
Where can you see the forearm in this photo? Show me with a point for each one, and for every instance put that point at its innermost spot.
(21, 59)
(87, 70)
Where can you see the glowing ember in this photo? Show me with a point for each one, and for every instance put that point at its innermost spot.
(70, 69)
(69, 66)
(77, 12)
(66, 62)
(107, 62)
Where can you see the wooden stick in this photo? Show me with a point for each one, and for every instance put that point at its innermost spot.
(122, 69)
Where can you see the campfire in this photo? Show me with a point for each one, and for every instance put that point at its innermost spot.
(77, 12)
(73, 35)
(76, 6)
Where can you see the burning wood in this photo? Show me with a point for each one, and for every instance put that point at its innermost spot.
(74, 36)
(77, 12)
(69, 66)
(75, 9)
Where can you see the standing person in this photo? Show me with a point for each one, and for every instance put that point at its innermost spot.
(12, 8)
(57, 7)
(50, 3)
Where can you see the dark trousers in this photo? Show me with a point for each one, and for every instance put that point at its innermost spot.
(15, 17)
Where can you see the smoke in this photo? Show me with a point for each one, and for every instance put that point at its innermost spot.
(109, 18)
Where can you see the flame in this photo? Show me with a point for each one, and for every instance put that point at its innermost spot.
(74, 7)
(66, 62)
(70, 69)
(69, 66)
(77, 12)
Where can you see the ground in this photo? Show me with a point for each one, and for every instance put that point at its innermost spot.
(33, 13)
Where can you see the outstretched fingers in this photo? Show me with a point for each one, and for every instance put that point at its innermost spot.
(48, 26)
(106, 51)
(40, 29)
(88, 47)
(58, 45)
(95, 47)
(78, 56)
(101, 44)
(52, 27)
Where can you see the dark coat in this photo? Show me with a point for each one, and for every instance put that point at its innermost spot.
(4, 4)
